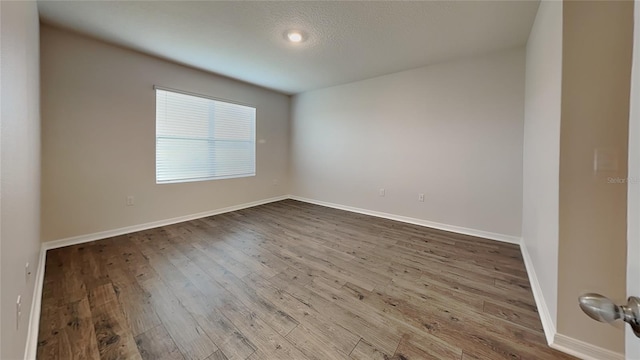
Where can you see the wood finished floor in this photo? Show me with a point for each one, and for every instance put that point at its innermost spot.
(289, 280)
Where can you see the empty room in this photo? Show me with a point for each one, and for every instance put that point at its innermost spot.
(319, 180)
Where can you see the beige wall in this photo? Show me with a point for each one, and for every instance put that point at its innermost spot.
(597, 46)
(542, 150)
(632, 348)
(20, 173)
(452, 131)
(98, 107)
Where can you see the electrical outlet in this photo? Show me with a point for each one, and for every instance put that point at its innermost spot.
(130, 200)
(18, 311)
(381, 192)
(421, 197)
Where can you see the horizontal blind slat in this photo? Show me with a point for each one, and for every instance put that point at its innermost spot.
(202, 139)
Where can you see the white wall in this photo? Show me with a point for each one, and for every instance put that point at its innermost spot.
(452, 131)
(98, 107)
(541, 159)
(20, 174)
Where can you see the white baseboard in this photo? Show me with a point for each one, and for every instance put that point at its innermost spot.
(452, 228)
(31, 346)
(555, 340)
(131, 229)
(548, 324)
(582, 349)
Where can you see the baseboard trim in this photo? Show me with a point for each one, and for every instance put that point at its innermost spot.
(131, 229)
(31, 346)
(548, 324)
(452, 228)
(582, 349)
(555, 340)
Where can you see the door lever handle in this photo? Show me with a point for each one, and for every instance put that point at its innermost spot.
(601, 308)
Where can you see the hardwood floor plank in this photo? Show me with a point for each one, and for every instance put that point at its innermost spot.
(225, 246)
(355, 299)
(473, 289)
(277, 318)
(366, 351)
(528, 319)
(314, 345)
(92, 273)
(373, 330)
(207, 244)
(295, 276)
(290, 280)
(166, 290)
(134, 301)
(218, 355)
(412, 349)
(437, 292)
(521, 288)
(77, 338)
(71, 283)
(326, 332)
(137, 307)
(49, 334)
(157, 344)
(203, 301)
(189, 336)
(449, 323)
(114, 337)
(269, 343)
(49, 328)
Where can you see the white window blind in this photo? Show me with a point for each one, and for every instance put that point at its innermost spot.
(199, 138)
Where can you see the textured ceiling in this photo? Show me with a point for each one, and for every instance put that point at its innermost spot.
(346, 41)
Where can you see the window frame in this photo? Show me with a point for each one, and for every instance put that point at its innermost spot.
(208, 97)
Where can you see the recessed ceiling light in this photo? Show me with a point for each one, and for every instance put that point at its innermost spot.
(295, 36)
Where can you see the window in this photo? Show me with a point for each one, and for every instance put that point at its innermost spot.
(199, 138)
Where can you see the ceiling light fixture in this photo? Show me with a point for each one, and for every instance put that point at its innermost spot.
(295, 36)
